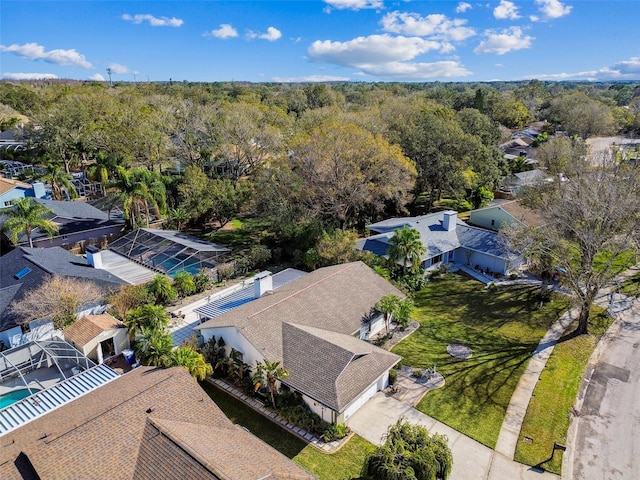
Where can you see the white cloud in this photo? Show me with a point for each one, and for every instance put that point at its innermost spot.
(624, 70)
(506, 10)
(417, 71)
(504, 42)
(371, 49)
(386, 56)
(534, 18)
(310, 78)
(33, 51)
(271, 35)
(153, 21)
(28, 76)
(97, 77)
(225, 31)
(119, 69)
(553, 8)
(463, 7)
(437, 26)
(354, 4)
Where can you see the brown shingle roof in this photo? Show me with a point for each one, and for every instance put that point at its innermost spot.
(525, 215)
(335, 298)
(89, 327)
(331, 367)
(148, 424)
(7, 184)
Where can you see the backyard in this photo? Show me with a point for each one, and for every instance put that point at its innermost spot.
(344, 464)
(502, 327)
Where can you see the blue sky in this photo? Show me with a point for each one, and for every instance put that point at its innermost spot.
(329, 40)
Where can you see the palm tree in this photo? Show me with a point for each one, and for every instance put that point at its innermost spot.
(184, 284)
(25, 216)
(193, 362)
(406, 248)
(162, 289)
(104, 168)
(388, 305)
(59, 180)
(180, 216)
(270, 372)
(155, 348)
(146, 317)
(138, 189)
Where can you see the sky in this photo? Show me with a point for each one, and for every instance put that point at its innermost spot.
(320, 40)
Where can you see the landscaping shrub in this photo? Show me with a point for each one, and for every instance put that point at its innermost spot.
(202, 281)
(393, 377)
(335, 432)
(295, 411)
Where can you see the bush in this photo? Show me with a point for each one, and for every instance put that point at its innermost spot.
(225, 271)
(335, 432)
(295, 411)
(393, 377)
(259, 256)
(202, 280)
(184, 284)
(416, 373)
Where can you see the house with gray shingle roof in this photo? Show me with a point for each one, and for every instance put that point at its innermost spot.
(505, 212)
(447, 239)
(316, 326)
(77, 222)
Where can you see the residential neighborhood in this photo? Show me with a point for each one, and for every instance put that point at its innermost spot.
(365, 281)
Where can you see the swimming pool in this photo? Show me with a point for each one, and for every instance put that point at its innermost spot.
(15, 395)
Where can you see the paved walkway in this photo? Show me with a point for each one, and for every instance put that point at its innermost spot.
(512, 424)
(471, 460)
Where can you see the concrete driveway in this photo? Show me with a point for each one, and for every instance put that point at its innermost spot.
(471, 460)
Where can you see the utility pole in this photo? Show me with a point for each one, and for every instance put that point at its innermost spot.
(109, 73)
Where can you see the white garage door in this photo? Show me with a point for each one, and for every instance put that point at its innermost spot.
(361, 400)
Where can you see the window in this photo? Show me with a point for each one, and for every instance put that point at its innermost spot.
(22, 273)
(436, 259)
(493, 222)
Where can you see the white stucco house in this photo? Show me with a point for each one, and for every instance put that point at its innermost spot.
(316, 326)
(447, 239)
(98, 337)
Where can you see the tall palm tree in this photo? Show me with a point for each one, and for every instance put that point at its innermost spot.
(406, 248)
(139, 190)
(155, 348)
(193, 362)
(59, 180)
(269, 373)
(103, 169)
(26, 215)
(146, 317)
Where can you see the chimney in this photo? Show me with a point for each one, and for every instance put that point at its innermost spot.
(449, 220)
(262, 283)
(94, 256)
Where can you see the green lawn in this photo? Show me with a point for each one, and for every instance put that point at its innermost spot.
(346, 463)
(631, 286)
(502, 327)
(239, 235)
(548, 415)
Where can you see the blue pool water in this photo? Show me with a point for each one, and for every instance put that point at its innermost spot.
(12, 397)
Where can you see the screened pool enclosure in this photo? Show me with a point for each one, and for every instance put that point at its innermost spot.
(169, 251)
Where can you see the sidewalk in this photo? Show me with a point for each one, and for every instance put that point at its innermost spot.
(512, 424)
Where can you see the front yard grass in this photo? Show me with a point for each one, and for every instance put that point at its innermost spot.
(631, 286)
(346, 463)
(502, 327)
(548, 416)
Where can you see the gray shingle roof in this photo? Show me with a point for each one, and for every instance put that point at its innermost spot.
(73, 210)
(335, 298)
(332, 368)
(434, 237)
(43, 262)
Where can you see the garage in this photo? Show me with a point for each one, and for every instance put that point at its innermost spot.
(361, 400)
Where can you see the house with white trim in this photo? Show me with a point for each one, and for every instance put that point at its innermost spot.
(446, 239)
(316, 326)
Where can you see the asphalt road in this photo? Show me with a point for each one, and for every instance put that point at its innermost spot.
(606, 434)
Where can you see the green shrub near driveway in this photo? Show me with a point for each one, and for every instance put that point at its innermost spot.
(502, 328)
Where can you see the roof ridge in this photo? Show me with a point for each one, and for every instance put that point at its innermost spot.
(347, 267)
